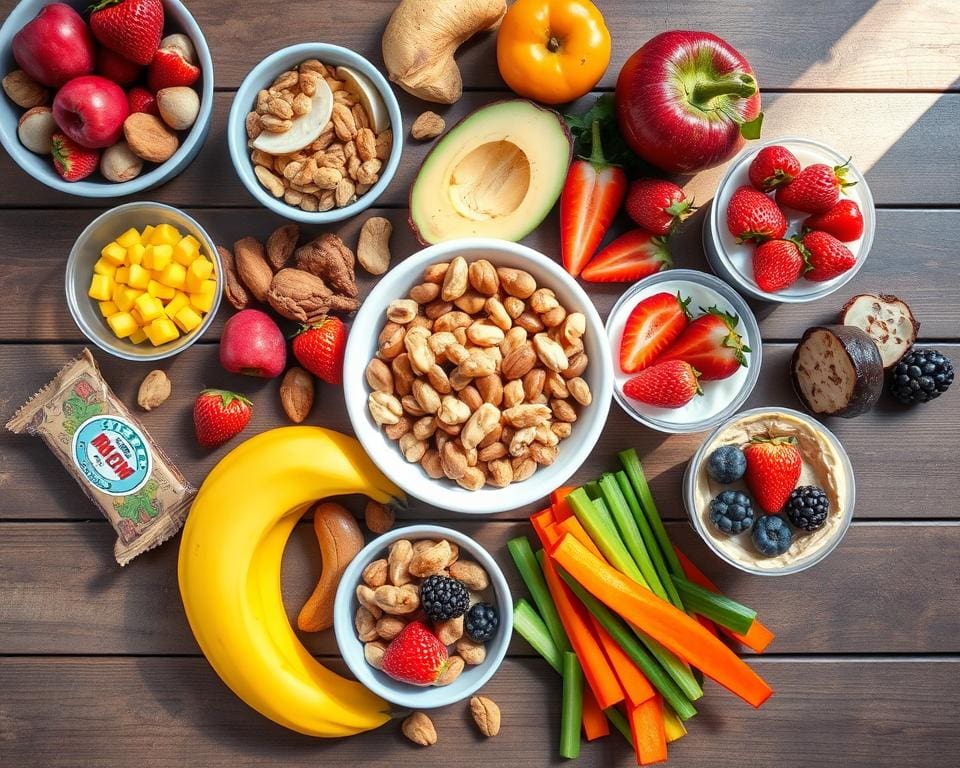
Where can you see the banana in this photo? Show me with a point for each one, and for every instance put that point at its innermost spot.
(229, 574)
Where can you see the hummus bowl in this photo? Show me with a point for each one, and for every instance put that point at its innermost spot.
(825, 465)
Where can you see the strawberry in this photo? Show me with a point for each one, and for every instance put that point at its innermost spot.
(415, 656)
(671, 384)
(319, 348)
(113, 66)
(751, 215)
(72, 161)
(132, 28)
(844, 221)
(651, 327)
(816, 188)
(827, 256)
(630, 257)
(778, 264)
(141, 100)
(169, 69)
(657, 205)
(711, 345)
(773, 468)
(219, 415)
(772, 167)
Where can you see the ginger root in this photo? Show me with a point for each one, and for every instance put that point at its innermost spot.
(422, 37)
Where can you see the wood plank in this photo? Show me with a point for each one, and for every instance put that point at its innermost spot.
(68, 712)
(35, 487)
(62, 593)
(903, 142)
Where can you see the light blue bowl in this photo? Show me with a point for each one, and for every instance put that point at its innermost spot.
(177, 19)
(473, 678)
(265, 73)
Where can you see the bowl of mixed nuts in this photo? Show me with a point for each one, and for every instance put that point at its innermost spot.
(311, 133)
(423, 616)
(476, 375)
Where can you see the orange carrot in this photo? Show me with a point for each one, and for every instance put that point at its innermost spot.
(558, 499)
(595, 723)
(550, 534)
(539, 520)
(646, 726)
(674, 629)
(757, 638)
(635, 685)
(575, 528)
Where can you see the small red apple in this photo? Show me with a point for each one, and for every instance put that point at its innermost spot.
(252, 344)
(56, 46)
(91, 111)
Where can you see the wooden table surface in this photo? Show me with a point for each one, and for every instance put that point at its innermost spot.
(97, 664)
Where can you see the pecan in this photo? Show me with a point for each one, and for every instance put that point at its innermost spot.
(251, 261)
(328, 257)
(235, 291)
(281, 245)
(298, 295)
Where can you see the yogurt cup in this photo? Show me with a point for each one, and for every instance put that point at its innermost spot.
(733, 261)
(720, 399)
(807, 548)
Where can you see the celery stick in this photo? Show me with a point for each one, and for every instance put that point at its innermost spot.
(592, 489)
(572, 712)
(634, 469)
(672, 725)
(615, 716)
(532, 576)
(595, 518)
(720, 609)
(527, 622)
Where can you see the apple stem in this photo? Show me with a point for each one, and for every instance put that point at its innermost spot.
(597, 157)
(740, 85)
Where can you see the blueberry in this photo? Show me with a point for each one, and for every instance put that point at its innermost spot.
(727, 464)
(771, 535)
(732, 512)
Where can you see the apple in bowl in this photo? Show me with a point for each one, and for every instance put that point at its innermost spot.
(91, 110)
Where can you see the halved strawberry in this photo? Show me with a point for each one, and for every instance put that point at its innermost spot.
(651, 327)
(629, 258)
(141, 100)
(711, 344)
(169, 69)
(672, 384)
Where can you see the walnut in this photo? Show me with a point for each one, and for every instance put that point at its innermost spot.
(329, 258)
(298, 295)
(281, 245)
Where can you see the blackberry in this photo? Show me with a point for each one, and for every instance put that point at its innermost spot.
(808, 507)
(732, 512)
(771, 535)
(443, 598)
(482, 622)
(922, 375)
(727, 464)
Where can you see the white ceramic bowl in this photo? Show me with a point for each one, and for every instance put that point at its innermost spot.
(265, 73)
(734, 261)
(403, 694)
(720, 399)
(362, 347)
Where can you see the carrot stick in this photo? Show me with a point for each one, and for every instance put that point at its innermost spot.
(757, 638)
(595, 724)
(561, 510)
(575, 528)
(635, 685)
(646, 726)
(677, 631)
(551, 535)
(541, 519)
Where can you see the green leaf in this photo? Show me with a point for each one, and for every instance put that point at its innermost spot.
(751, 129)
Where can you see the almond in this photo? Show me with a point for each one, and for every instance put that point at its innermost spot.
(154, 390)
(296, 394)
(251, 260)
(149, 137)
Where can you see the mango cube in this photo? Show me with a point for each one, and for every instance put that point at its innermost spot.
(114, 253)
(164, 234)
(188, 319)
(122, 324)
(199, 270)
(101, 288)
(157, 257)
(104, 266)
(161, 330)
(122, 275)
(139, 277)
(203, 299)
(149, 307)
(177, 303)
(137, 317)
(186, 250)
(147, 234)
(108, 308)
(160, 290)
(125, 298)
(173, 275)
(138, 336)
(135, 253)
(128, 238)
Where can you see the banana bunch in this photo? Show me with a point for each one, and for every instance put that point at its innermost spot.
(229, 573)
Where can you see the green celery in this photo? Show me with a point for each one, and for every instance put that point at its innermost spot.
(720, 609)
(527, 622)
(592, 489)
(595, 518)
(532, 576)
(616, 718)
(572, 711)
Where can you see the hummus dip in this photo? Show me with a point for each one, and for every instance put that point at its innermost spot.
(822, 466)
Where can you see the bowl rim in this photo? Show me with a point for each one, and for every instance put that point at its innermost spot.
(163, 172)
(237, 135)
(486, 500)
(345, 604)
(74, 292)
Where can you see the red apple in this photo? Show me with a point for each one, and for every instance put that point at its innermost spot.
(686, 101)
(56, 46)
(252, 344)
(91, 111)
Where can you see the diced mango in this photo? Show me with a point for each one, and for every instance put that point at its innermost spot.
(128, 238)
(188, 319)
(199, 270)
(114, 253)
(122, 324)
(157, 257)
(101, 288)
(164, 234)
(108, 308)
(186, 250)
(147, 233)
(104, 266)
(122, 275)
(126, 297)
(177, 303)
(137, 317)
(135, 253)
(138, 336)
(150, 307)
(173, 275)
(161, 330)
(160, 290)
(139, 277)
(203, 299)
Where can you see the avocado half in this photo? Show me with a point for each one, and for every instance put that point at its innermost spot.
(496, 173)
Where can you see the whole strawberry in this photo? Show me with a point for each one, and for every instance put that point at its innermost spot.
(169, 69)
(132, 28)
(672, 384)
(827, 256)
(777, 264)
(319, 348)
(72, 161)
(415, 656)
(816, 189)
(219, 415)
(773, 469)
(657, 205)
(772, 167)
(754, 217)
(141, 100)
(844, 221)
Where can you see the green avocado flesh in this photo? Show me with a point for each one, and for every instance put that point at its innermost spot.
(495, 174)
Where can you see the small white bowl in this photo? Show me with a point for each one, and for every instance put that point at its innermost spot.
(720, 399)
(473, 678)
(362, 347)
(734, 261)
